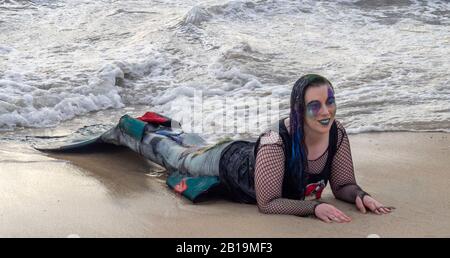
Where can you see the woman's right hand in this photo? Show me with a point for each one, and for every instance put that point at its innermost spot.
(329, 213)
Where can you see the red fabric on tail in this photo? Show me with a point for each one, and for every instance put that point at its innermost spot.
(152, 117)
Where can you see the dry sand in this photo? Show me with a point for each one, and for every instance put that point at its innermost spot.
(115, 193)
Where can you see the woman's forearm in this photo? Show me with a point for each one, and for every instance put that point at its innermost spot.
(288, 207)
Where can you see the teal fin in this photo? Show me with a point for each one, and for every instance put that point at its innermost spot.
(133, 127)
(193, 188)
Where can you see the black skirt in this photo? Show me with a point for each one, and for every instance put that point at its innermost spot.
(236, 171)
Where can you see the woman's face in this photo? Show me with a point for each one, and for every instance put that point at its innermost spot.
(320, 108)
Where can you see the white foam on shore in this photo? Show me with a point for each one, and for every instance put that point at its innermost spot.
(18, 108)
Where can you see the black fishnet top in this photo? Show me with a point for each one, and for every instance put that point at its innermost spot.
(269, 173)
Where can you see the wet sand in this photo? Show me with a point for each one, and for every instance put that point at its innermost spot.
(115, 193)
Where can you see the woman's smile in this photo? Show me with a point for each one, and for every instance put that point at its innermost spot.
(325, 122)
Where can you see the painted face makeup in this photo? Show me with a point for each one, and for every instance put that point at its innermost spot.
(313, 108)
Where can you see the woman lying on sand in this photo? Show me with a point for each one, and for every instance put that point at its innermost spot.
(283, 172)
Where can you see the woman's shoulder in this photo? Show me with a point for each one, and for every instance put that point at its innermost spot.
(341, 133)
(340, 126)
(270, 144)
(338, 123)
(271, 137)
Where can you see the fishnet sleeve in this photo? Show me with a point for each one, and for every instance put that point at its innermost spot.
(342, 178)
(269, 173)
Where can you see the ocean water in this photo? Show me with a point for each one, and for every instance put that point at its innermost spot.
(65, 64)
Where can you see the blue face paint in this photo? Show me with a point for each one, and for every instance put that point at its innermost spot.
(331, 102)
(330, 93)
(313, 107)
(331, 99)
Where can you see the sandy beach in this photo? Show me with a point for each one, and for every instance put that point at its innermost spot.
(71, 69)
(115, 193)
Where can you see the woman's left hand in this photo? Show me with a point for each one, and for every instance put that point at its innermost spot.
(372, 204)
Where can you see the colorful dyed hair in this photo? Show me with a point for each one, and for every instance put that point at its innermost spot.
(299, 161)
